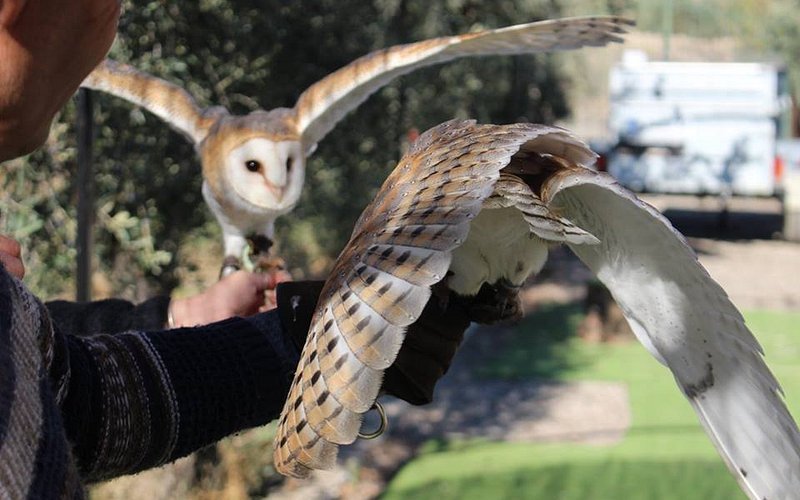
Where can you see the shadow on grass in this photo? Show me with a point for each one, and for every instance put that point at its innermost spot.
(503, 374)
(538, 347)
(601, 480)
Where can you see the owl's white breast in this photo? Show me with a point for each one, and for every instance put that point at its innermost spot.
(499, 246)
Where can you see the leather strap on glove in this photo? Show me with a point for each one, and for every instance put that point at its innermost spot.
(427, 351)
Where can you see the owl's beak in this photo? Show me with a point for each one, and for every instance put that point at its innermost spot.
(277, 191)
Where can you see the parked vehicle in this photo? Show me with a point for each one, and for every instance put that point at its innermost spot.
(698, 128)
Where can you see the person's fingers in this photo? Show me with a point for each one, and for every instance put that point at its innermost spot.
(270, 301)
(9, 246)
(261, 281)
(277, 277)
(10, 252)
(247, 293)
(252, 297)
(13, 265)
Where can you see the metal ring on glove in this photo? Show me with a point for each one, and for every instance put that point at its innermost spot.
(381, 428)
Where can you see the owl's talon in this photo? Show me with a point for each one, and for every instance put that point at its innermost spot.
(498, 303)
(259, 245)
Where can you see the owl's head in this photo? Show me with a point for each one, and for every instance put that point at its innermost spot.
(255, 161)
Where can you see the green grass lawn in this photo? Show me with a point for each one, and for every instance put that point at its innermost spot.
(665, 454)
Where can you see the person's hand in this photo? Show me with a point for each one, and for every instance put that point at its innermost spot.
(47, 48)
(10, 255)
(237, 294)
(277, 277)
(427, 351)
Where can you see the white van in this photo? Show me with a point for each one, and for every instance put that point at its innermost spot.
(697, 128)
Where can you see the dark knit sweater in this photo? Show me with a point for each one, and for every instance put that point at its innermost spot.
(76, 409)
(108, 316)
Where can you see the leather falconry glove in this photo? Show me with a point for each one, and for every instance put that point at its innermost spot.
(427, 351)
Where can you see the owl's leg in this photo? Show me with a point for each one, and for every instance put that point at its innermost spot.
(234, 249)
(497, 303)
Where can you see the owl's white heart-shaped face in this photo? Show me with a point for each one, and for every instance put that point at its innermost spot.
(265, 173)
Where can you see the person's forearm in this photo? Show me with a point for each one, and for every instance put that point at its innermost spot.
(109, 316)
(138, 400)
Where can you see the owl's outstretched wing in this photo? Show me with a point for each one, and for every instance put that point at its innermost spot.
(168, 101)
(685, 319)
(401, 246)
(326, 102)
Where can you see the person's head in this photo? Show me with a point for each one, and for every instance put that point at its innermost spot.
(47, 47)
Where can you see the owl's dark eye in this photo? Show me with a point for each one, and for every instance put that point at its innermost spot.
(289, 163)
(253, 165)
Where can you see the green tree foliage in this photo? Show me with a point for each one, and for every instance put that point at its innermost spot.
(779, 32)
(245, 55)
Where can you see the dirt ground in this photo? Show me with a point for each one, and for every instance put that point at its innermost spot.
(741, 250)
(756, 274)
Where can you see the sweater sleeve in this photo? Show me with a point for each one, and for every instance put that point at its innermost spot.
(137, 400)
(35, 458)
(108, 316)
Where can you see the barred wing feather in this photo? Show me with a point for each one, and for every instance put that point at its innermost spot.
(166, 100)
(326, 102)
(400, 246)
(511, 191)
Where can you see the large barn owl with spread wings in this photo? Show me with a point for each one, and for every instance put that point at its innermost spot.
(474, 206)
(254, 165)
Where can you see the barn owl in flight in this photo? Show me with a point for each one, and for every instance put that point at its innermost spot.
(254, 165)
(474, 206)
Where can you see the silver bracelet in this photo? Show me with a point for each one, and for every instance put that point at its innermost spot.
(170, 319)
